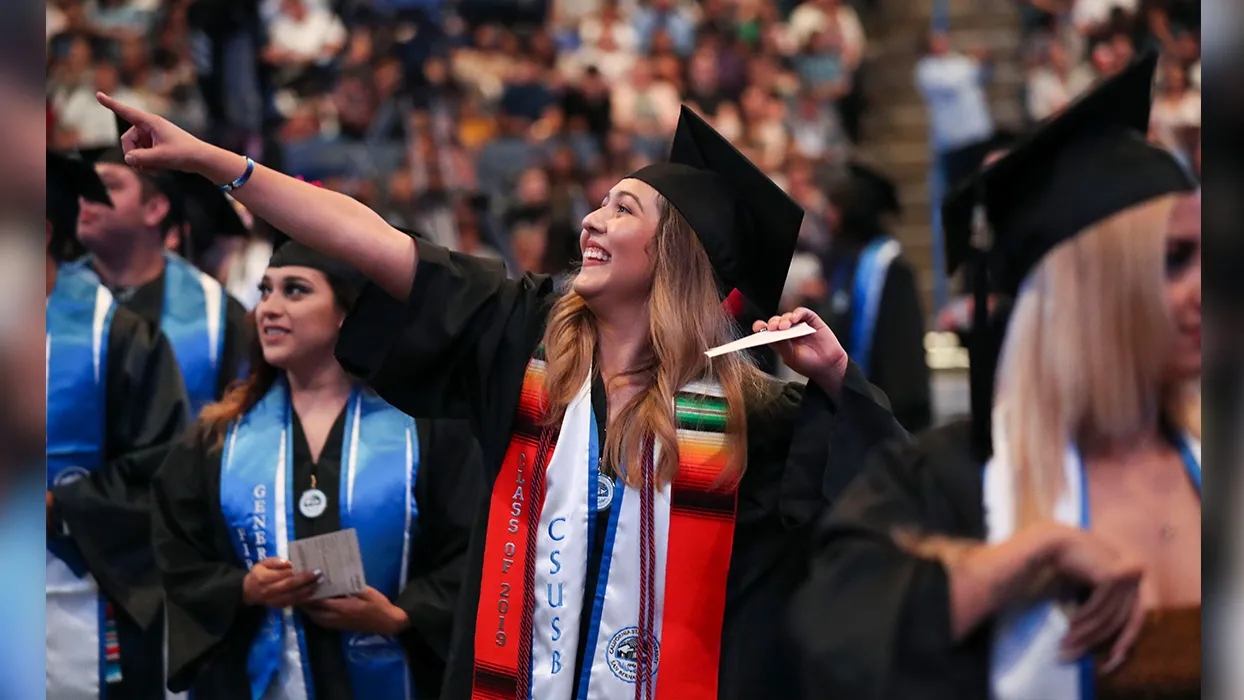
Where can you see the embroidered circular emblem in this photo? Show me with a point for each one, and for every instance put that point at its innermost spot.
(604, 492)
(624, 653)
(312, 503)
(841, 301)
(69, 475)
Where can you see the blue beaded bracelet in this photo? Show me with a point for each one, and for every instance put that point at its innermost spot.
(250, 168)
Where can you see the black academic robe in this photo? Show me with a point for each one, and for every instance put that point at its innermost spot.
(147, 300)
(874, 621)
(107, 516)
(896, 363)
(461, 348)
(210, 630)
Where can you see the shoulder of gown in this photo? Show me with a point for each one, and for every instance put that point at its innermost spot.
(898, 363)
(871, 620)
(108, 515)
(457, 347)
(829, 441)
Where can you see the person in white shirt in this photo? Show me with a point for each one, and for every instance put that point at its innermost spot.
(1176, 107)
(953, 87)
(1090, 15)
(1055, 83)
(301, 36)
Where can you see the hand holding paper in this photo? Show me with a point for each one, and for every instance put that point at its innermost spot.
(764, 337)
(337, 555)
(804, 343)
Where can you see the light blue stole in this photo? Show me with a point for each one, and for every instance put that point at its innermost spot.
(79, 323)
(193, 319)
(380, 461)
(866, 290)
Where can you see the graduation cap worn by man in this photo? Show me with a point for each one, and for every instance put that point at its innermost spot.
(746, 223)
(1085, 165)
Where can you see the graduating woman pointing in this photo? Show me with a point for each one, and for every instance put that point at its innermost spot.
(649, 507)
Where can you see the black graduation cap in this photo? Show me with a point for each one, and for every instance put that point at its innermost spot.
(876, 190)
(209, 212)
(69, 179)
(1081, 167)
(1084, 165)
(746, 223)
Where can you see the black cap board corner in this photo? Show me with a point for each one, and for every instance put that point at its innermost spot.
(746, 223)
(68, 180)
(1082, 166)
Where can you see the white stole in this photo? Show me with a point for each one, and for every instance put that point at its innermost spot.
(561, 572)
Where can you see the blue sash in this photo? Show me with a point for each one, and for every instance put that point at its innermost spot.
(79, 324)
(193, 319)
(866, 288)
(380, 460)
(79, 321)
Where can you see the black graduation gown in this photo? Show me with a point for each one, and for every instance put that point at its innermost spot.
(897, 363)
(108, 515)
(210, 631)
(874, 621)
(147, 300)
(461, 349)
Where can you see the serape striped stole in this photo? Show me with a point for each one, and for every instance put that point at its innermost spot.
(700, 539)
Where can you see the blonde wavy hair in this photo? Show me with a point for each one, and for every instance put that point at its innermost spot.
(1086, 352)
(685, 319)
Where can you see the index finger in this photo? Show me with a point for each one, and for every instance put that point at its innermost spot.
(130, 114)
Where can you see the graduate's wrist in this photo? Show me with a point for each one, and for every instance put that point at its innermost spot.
(220, 166)
(831, 378)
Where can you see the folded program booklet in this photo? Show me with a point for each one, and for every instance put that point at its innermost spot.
(337, 555)
(762, 338)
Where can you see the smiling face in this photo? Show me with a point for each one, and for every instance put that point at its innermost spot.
(615, 241)
(1183, 286)
(297, 317)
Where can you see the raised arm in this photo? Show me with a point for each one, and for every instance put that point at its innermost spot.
(327, 221)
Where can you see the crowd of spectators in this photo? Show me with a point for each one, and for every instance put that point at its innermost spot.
(1070, 44)
(492, 126)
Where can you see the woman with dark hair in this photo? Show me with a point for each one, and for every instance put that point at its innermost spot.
(299, 449)
(650, 505)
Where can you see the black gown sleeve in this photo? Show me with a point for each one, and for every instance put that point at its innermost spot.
(448, 490)
(108, 515)
(236, 351)
(898, 363)
(457, 348)
(831, 442)
(873, 621)
(208, 623)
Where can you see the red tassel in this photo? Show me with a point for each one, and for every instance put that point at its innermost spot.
(733, 305)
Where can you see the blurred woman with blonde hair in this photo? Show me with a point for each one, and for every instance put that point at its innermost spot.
(1051, 549)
